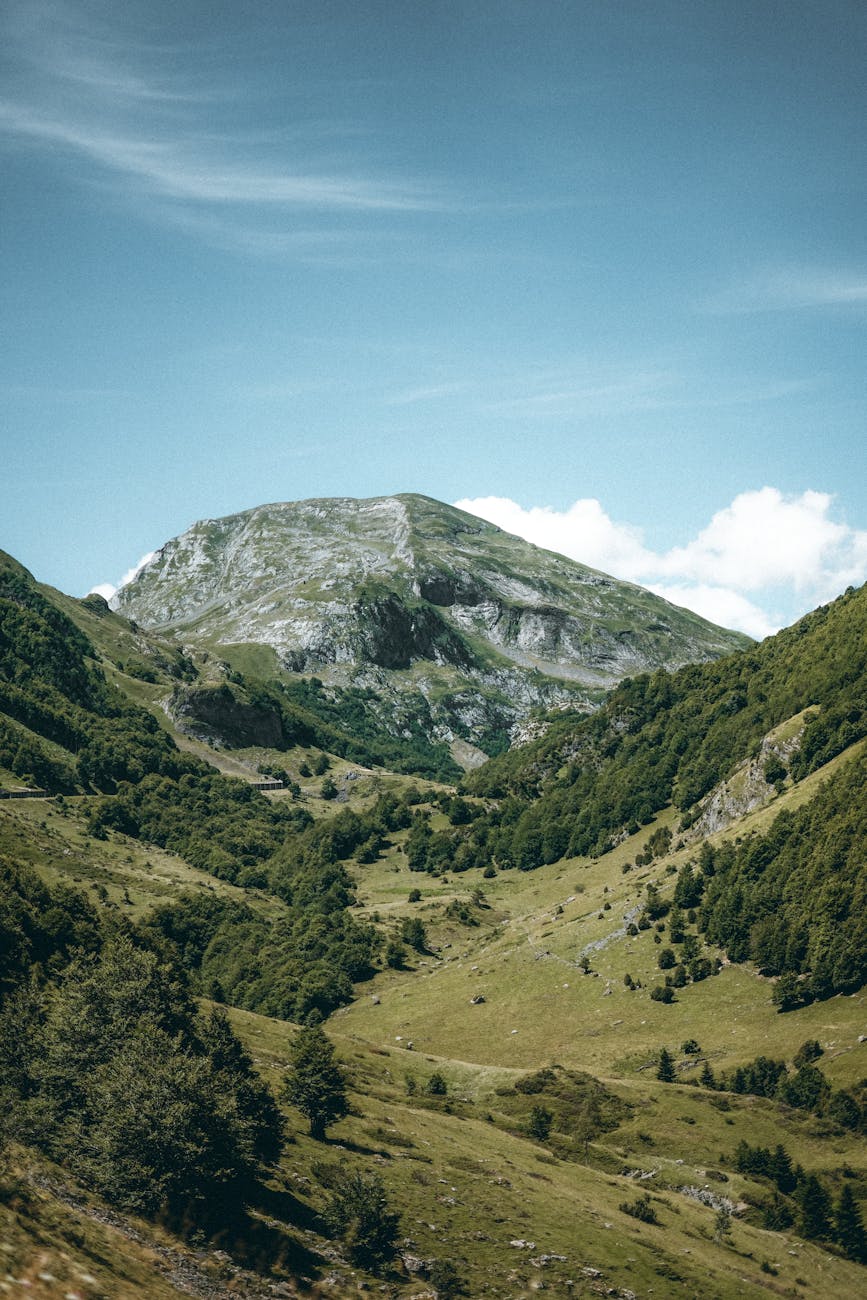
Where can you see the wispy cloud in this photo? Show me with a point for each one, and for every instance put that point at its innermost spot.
(82, 91)
(428, 393)
(791, 289)
(177, 169)
(764, 552)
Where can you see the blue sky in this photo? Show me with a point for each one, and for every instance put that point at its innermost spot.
(596, 270)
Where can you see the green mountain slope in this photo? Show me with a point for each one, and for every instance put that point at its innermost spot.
(62, 725)
(472, 976)
(671, 738)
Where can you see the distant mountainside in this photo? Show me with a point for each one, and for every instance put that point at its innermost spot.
(447, 622)
(674, 738)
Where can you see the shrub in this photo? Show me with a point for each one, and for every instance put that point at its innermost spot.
(662, 993)
(640, 1209)
(358, 1212)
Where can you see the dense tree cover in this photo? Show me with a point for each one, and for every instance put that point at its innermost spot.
(668, 738)
(298, 965)
(794, 900)
(216, 823)
(40, 927)
(804, 1088)
(61, 724)
(107, 1067)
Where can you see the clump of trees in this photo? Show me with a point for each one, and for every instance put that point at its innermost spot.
(802, 1200)
(106, 1065)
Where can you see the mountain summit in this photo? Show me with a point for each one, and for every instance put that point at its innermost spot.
(406, 595)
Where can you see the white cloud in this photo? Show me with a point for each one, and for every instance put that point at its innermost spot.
(584, 532)
(787, 552)
(720, 605)
(109, 590)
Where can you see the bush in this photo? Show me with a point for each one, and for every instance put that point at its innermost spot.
(662, 993)
(358, 1212)
(640, 1209)
(539, 1126)
(446, 1280)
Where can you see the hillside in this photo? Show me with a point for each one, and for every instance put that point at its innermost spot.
(450, 626)
(625, 1064)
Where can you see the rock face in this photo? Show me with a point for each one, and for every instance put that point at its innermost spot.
(407, 593)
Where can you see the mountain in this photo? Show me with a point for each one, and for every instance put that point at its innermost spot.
(450, 623)
(668, 894)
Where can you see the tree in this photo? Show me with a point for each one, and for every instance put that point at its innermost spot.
(359, 1213)
(412, 931)
(707, 1078)
(815, 1220)
(662, 993)
(539, 1126)
(781, 1170)
(808, 1052)
(722, 1225)
(787, 993)
(436, 1085)
(665, 1068)
(316, 1085)
(849, 1226)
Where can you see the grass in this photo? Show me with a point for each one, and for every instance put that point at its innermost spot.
(463, 1172)
(468, 1183)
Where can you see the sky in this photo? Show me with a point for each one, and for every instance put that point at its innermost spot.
(596, 271)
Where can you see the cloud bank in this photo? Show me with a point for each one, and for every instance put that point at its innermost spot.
(110, 589)
(760, 563)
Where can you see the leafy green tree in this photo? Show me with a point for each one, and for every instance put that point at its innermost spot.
(776, 1215)
(359, 1213)
(316, 1084)
(395, 955)
(707, 1078)
(412, 931)
(436, 1085)
(781, 1170)
(843, 1109)
(808, 1052)
(722, 1225)
(806, 1089)
(539, 1124)
(119, 1080)
(662, 993)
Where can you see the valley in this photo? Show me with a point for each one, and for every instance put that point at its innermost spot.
(481, 950)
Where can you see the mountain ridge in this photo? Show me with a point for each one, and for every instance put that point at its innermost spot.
(405, 594)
